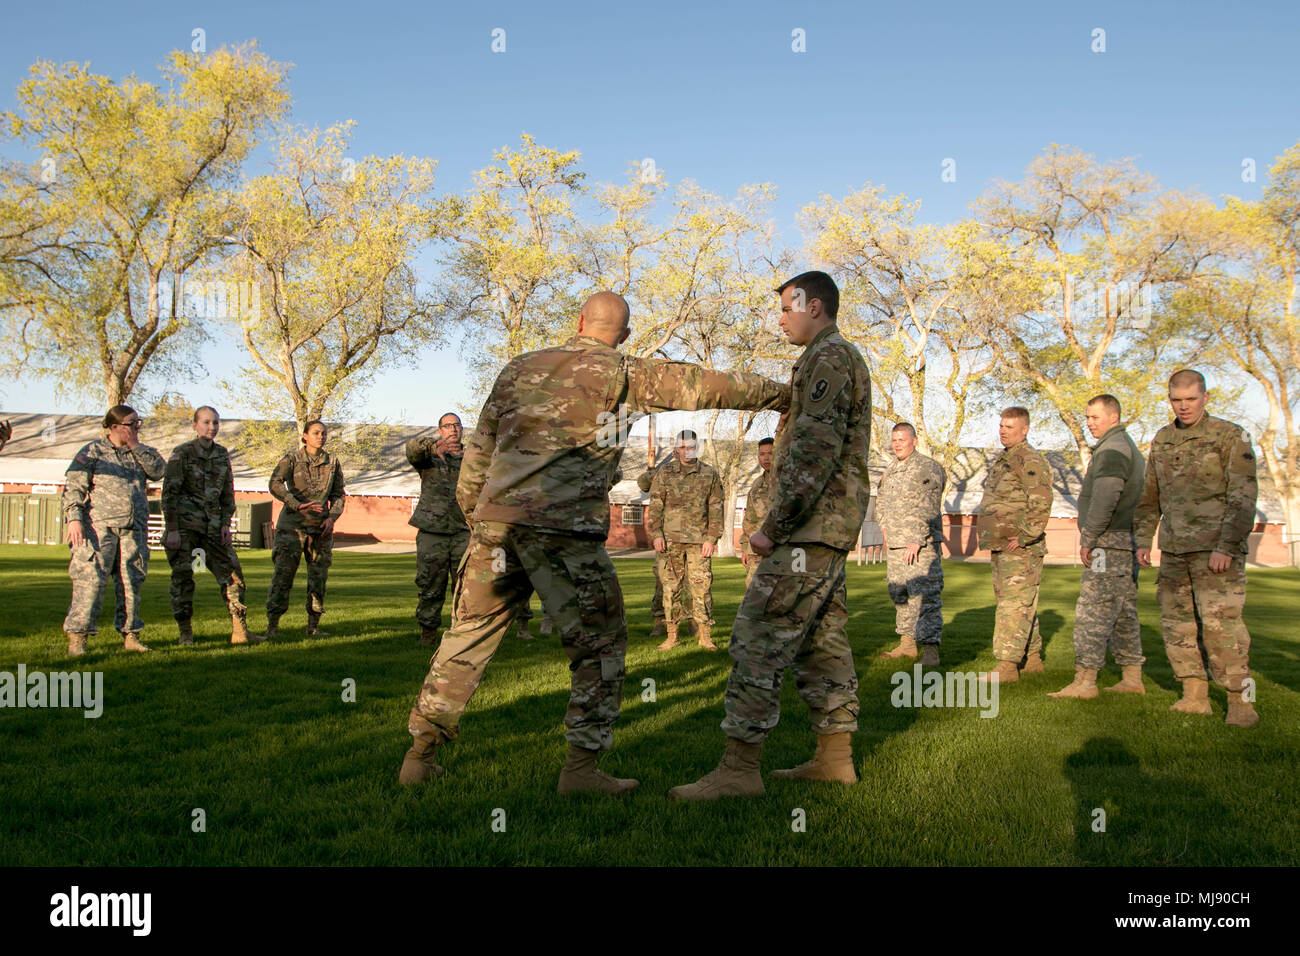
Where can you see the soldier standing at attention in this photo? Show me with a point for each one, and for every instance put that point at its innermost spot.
(1107, 613)
(198, 500)
(909, 508)
(443, 533)
(794, 612)
(310, 483)
(644, 481)
(757, 502)
(685, 523)
(106, 513)
(1012, 524)
(535, 483)
(1200, 488)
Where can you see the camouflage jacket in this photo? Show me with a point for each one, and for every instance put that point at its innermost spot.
(1017, 498)
(686, 503)
(298, 479)
(545, 447)
(909, 502)
(107, 485)
(1110, 492)
(1200, 487)
(199, 489)
(437, 511)
(820, 485)
(757, 503)
(647, 477)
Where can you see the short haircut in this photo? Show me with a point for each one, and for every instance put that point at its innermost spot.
(445, 414)
(1185, 377)
(117, 415)
(686, 435)
(1109, 402)
(315, 421)
(1016, 411)
(206, 408)
(766, 441)
(904, 425)
(816, 285)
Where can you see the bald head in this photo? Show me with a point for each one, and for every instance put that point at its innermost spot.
(605, 316)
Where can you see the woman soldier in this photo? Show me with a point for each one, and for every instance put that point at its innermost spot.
(106, 513)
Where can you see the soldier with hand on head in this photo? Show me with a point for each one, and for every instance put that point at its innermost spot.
(1106, 613)
(757, 502)
(1201, 489)
(310, 483)
(106, 514)
(685, 522)
(198, 500)
(909, 509)
(443, 532)
(1012, 525)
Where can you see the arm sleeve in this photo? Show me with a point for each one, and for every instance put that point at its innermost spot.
(76, 486)
(929, 502)
(150, 461)
(1147, 514)
(419, 452)
(479, 449)
(173, 484)
(717, 497)
(1242, 494)
(749, 523)
(1106, 492)
(1038, 489)
(278, 484)
(227, 495)
(337, 493)
(660, 386)
(644, 479)
(655, 516)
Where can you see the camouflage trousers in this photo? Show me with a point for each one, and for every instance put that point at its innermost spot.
(1196, 603)
(575, 580)
(680, 567)
(212, 554)
(1016, 575)
(436, 558)
(657, 602)
(916, 590)
(290, 545)
(1106, 614)
(794, 615)
(119, 553)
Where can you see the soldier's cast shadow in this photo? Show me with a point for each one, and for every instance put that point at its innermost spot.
(969, 633)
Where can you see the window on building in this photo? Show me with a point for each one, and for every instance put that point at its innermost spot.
(633, 514)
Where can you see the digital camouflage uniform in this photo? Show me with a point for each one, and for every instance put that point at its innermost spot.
(795, 611)
(1017, 504)
(298, 479)
(105, 488)
(535, 480)
(909, 510)
(198, 501)
(657, 602)
(1106, 613)
(443, 534)
(1200, 488)
(757, 502)
(686, 510)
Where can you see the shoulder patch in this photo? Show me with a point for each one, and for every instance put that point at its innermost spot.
(82, 458)
(825, 382)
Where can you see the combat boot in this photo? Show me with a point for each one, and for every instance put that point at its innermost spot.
(736, 775)
(1241, 713)
(76, 644)
(239, 631)
(832, 762)
(1007, 671)
(419, 764)
(547, 627)
(522, 632)
(1084, 685)
(1034, 665)
(706, 638)
(313, 626)
(272, 628)
(1130, 683)
(133, 642)
(672, 641)
(930, 655)
(428, 636)
(659, 629)
(186, 632)
(1196, 697)
(581, 776)
(906, 648)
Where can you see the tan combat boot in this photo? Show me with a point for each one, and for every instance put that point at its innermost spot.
(133, 642)
(1196, 697)
(428, 636)
(76, 644)
(522, 631)
(239, 631)
(1007, 671)
(581, 776)
(659, 629)
(735, 776)
(1241, 713)
(1034, 665)
(672, 641)
(547, 627)
(313, 626)
(930, 655)
(906, 648)
(706, 638)
(1084, 685)
(1130, 683)
(831, 763)
(419, 764)
(186, 633)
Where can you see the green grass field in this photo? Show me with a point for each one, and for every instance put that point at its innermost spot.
(288, 773)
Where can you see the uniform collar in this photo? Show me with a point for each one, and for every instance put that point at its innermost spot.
(1109, 432)
(322, 457)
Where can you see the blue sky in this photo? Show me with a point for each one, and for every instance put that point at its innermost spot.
(713, 92)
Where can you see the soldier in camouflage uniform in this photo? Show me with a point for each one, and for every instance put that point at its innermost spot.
(1106, 613)
(685, 522)
(643, 481)
(443, 533)
(794, 613)
(909, 509)
(198, 501)
(310, 483)
(1201, 489)
(535, 482)
(1012, 524)
(106, 514)
(757, 502)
